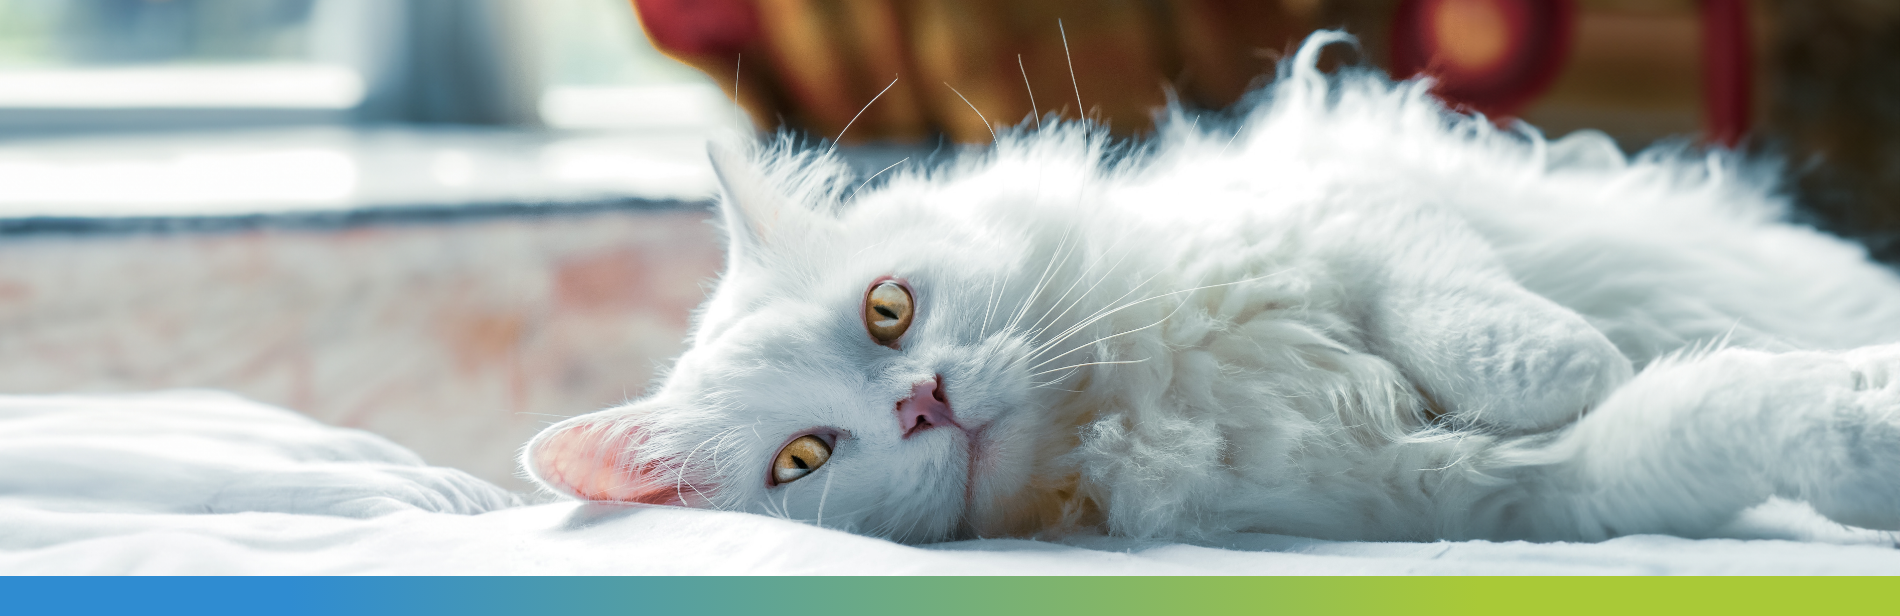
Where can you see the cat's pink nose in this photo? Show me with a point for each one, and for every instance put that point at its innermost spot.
(926, 408)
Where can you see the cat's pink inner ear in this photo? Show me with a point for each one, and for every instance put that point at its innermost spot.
(593, 461)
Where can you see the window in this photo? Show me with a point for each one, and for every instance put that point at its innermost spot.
(106, 64)
(95, 65)
(600, 72)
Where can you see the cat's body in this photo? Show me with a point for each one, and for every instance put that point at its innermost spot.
(1359, 318)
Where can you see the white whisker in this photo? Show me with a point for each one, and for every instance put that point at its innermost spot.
(979, 112)
(785, 503)
(989, 306)
(1037, 326)
(867, 107)
(854, 191)
(1170, 315)
(1079, 112)
(1230, 142)
(1043, 285)
(679, 472)
(821, 499)
(1086, 321)
(738, 62)
(1065, 292)
(1093, 363)
(1033, 113)
(1078, 327)
(1037, 289)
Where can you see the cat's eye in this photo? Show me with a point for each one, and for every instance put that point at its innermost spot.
(887, 311)
(799, 458)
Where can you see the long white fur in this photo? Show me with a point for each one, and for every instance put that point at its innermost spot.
(1348, 313)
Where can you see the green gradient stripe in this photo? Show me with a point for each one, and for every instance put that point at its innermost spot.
(783, 596)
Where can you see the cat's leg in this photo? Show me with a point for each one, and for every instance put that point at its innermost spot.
(1689, 444)
(1488, 353)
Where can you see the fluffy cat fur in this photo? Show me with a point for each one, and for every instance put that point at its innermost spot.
(1348, 313)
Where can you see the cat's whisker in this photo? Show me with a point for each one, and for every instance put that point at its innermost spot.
(1093, 363)
(869, 248)
(770, 509)
(1460, 460)
(1080, 326)
(738, 111)
(1033, 113)
(1085, 294)
(1080, 111)
(1164, 319)
(1078, 280)
(1041, 282)
(679, 472)
(1010, 325)
(849, 526)
(854, 119)
(979, 112)
(914, 521)
(822, 495)
(989, 306)
(867, 181)
(719, 447)
(1111, 303)
(1091, 319)
(719, 442)
(1066, 250)
(1230, 142)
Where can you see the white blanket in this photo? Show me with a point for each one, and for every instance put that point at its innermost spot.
(207, 483)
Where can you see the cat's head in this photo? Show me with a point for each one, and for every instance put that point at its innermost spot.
(854, 367)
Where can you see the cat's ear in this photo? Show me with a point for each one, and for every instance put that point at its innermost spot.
(598, 458)
(756, 215)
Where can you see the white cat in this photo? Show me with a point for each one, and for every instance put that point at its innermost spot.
(1351, 314)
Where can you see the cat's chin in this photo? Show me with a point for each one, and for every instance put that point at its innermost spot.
(1027, 511)
(1005, 497)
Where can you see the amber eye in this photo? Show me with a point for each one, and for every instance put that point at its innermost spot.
(887, 311)
(799, 458)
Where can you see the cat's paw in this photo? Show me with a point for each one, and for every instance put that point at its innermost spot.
(1522, 377)
(1874, 369)
(1864, 428)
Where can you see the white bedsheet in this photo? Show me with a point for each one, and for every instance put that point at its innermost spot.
(207, 483)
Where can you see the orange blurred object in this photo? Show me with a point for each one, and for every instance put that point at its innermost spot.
(814, 64)
(1492, 56)
(956, 68)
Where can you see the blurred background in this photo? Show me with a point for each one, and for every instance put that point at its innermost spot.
(453, 221)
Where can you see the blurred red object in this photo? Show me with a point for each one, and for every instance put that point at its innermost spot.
(1727, 71)
(958, 68)
(700, 27)
(1491, 56)
(814, 64)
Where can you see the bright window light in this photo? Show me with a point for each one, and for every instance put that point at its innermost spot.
(287, 86)
(671, 105)
(176, 54)
(210, 182)
(601, 73)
